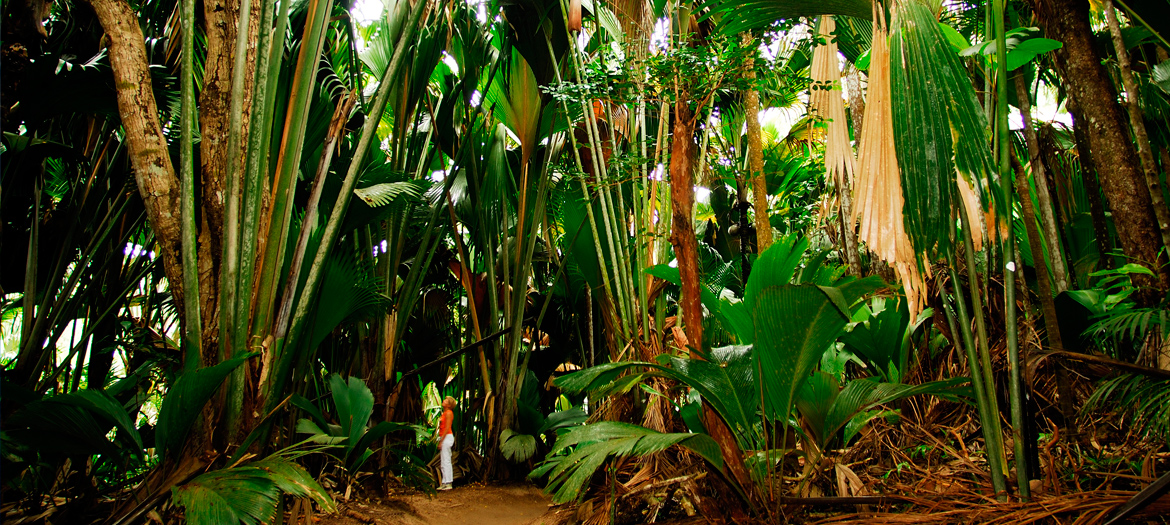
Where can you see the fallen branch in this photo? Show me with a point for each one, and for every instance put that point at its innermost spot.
(1101, 360)
(664, 483)
(359, 516)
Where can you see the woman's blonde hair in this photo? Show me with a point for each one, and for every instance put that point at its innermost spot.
(448, 402)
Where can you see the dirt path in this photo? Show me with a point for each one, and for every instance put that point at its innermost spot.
(465, 505)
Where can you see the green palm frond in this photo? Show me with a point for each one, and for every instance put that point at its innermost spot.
(793, 327)
(355, 405)
(569, 474)
(827, 408)
(743, 15)
(883, 338)
(381, 35)
(516, 446)
(349, 292)
(939, 125)
(74, 424)
(248, 494)
(515, 99)
(1144, 400)
(857, 403)
(725, 380)
(1130, 323)
(184, 401)
(388, 192)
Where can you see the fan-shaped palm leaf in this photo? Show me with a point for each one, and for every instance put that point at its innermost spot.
(940, 128)
(185, 399)
(743, 15)
(247, 495)
(349, 292)
(827, 408)
(388, 192)
(794, 325)
(516, 446)
(597, 442)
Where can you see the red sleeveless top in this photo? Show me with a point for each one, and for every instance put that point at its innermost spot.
(445, 423)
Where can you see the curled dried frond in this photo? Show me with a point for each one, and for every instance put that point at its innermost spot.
(878, 202)
(826, 102)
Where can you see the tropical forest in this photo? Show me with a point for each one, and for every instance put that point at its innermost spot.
(493, 262)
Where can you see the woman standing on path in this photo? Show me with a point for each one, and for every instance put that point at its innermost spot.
(446, 441)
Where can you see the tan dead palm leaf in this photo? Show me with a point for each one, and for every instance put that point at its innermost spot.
(825, 102)
(878, 201)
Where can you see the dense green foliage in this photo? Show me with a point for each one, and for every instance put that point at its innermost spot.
(381, 204)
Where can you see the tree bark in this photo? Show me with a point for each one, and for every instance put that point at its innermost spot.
(756, 158)
(149, 156)
(686, 247)
(222, 29)
(1043, 278)
(682, 235)
(852, 83)
(856, 101)
(1051, 235)
(1137, 122)
(1092, 189)
(1092, 92)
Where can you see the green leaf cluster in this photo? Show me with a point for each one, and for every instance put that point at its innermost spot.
(248, 494)
(570, 471)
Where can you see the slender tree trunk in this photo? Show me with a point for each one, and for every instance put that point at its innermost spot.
(852, 83)
(756, 158)
(1065, 393)
(1138, 124)
(1047, 217)
(1092, 92)
(682, 236)
(1043, 278)
(149, 156)
(1092, 189)
(222, 30)
(856, 100)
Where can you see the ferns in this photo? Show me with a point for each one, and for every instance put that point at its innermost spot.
(1131, 323)
(1144, 400)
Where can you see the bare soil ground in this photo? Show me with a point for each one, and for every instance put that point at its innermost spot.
(465, 505)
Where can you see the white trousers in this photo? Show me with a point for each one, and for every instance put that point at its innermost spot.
(445, 457)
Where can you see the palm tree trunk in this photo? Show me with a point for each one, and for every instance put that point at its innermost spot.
(149, 156)
(682, 236)
(1043, 278)
(192, 324)
(756, 158)
(1051, 235)
(1094, 96)
(1136, 121)
(1092, 189)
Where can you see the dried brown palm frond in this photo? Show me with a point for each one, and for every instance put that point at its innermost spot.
(1075, 508)
(878, 201)
(613, 408)
(658, 413)
(825, 101)
(637, 19)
